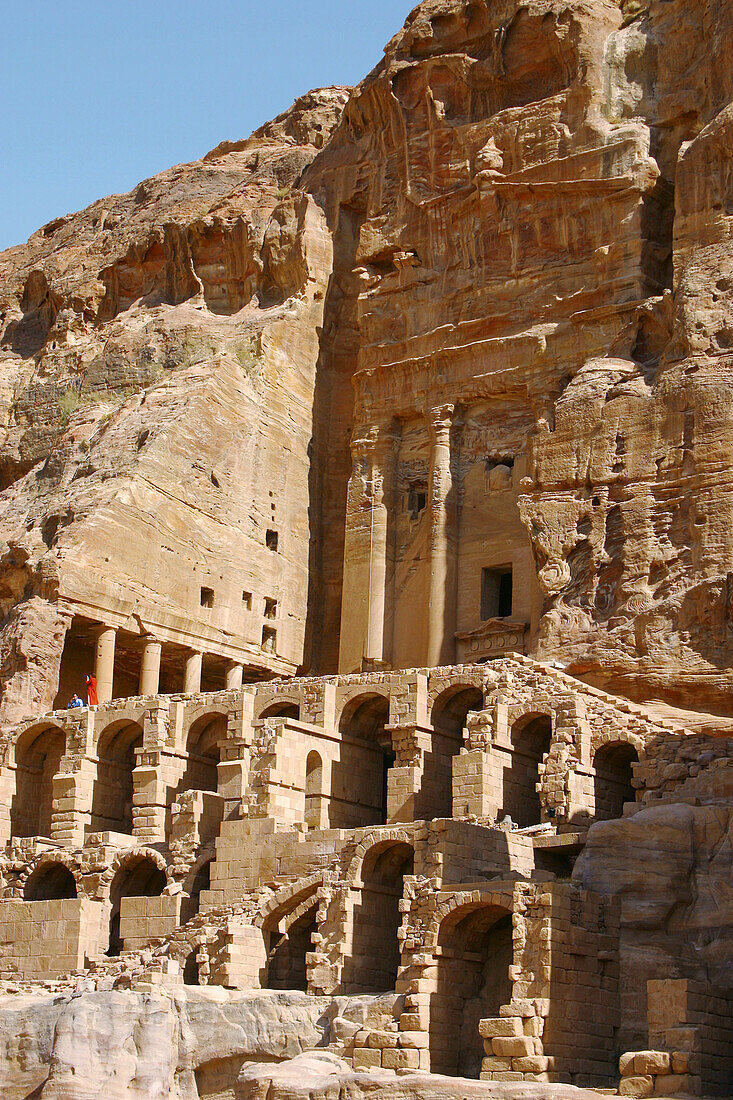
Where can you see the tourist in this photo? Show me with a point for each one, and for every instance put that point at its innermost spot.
(75, 701)
(92, 699)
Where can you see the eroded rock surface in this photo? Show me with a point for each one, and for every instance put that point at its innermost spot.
(158, 363)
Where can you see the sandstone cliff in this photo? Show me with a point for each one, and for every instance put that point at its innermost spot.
(158, 362)
(531, 204)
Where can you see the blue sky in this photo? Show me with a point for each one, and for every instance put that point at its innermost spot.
(99, 95)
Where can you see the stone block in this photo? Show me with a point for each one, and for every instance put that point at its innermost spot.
(676, 1084)
(684, 1061)
(492, 1063)
(381, 1040)
(367, 1059)
(636, 1087)
(533, 1063)
(417, 1040)
(515, 1047)
(401, 1059)
(500, 1027)
(518, 1008)
(651, 1062)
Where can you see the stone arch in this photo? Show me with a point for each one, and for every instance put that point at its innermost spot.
(531, 740)
(191, 968)
(613, 762)
(452, 706)
(50, 880)
(209, 707)
(140, 872)
(286, 899)
(475, 952)
(448, 716)
(197, 880)
(288, 921)
(112, 792)
(203, 738)
(289, 941)
(120, 712)
(314, 789)
(281, 708)
(373, 960)
(351, 701)
(38, 750)
(367, 749)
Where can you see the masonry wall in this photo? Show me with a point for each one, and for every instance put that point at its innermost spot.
(146, 919)
(42, 939)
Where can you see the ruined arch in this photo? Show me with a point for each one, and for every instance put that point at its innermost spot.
(284, 708)
(112, 794)
(612, 778)
(203, 753)
(38, 753)
(191, 968)
(50, 880)
(314, 789)
(475, 952)
(198, 880)
(367, 749)
(289, 942)
(531, 739)
(448, 717)
(288, 921)
(136, 874)
(374, 953)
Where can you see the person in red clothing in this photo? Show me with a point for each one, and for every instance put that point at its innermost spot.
(92, 699)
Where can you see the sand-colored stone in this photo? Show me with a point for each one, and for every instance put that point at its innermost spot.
(378, 465)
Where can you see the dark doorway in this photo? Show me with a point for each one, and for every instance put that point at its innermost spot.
(531, 739)
(613, 764)
(38, 757)
(449, 715)
(286, 961)
(139, 877)
(375, 956)
(473, 983)
(112, 797)
(51, 882)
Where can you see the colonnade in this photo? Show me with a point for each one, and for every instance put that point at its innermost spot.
(370, 553)
(149, 684)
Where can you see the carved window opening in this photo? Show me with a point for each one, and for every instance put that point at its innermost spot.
(417, 499)
(271, 540)
(207, 597)
(269, 639)
(247, 600)
(270, 608)
(313, 789)
(496, 592)
(51, 882)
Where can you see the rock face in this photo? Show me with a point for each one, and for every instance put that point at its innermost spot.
(158, 365)
(153, 1046)
(670, 868)
(420, 375)
(531, 203)
(204, 1045)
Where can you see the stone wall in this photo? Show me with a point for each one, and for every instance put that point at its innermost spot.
(41, 939)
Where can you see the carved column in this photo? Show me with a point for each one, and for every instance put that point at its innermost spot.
(235, 677)
(441, 603)
(192, 674)
(368, 555)
(150, 668)
(382, 563)
(104, 663)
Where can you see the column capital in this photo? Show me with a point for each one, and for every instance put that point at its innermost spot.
(440, 419)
